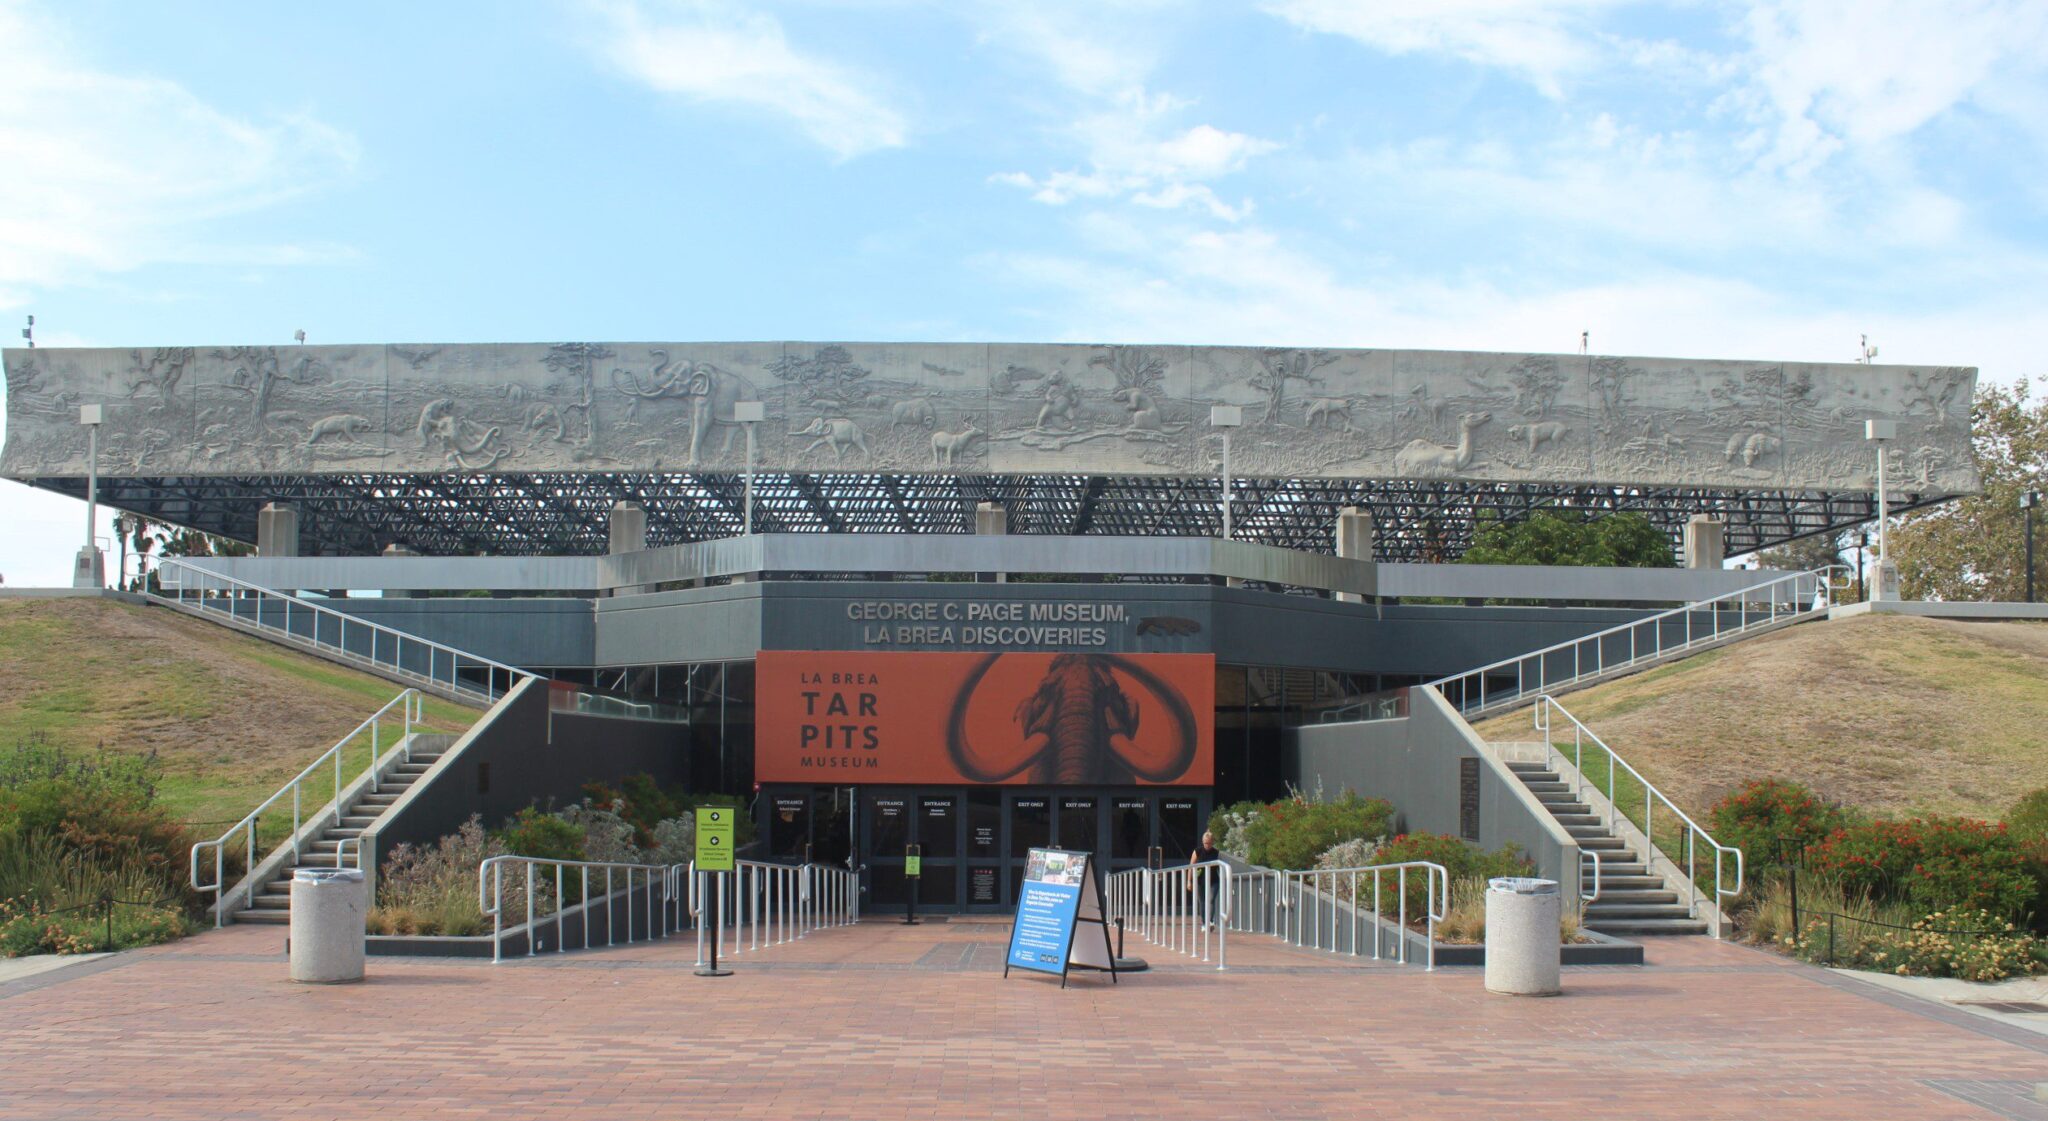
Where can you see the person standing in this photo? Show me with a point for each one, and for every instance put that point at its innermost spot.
(1205, 882)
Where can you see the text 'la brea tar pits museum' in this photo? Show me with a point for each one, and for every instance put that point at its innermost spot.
(977, 598)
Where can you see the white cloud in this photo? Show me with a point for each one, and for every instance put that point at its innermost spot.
(110, 172)
(1251, 286)
(1834, 74)
(1541, 40)
(714, 52)
(1133, 154)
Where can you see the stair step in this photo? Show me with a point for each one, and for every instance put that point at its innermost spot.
(1601, 909)
(358, 822)
(1649, 926)
(1533, 773)
(384, 799)
(414, 769)
(335, 833)
(1632, 895)
(267, 918)
(1567, 807)
(1629, 883)
(1527, 765)
(1578, 819)
(1599, 843)
(1547, 786)
(1608, 856)
(273, 902)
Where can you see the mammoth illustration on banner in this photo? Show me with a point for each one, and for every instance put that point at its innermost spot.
(1089, 723)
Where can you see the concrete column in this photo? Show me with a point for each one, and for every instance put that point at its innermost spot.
(1354, 541)
(991, 519)
(628, 527)
(1706, 542)
(277, 530)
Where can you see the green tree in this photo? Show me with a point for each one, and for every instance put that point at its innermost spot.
(1975, 548)
(1804, 554)
(1569, 537)
(150, 541)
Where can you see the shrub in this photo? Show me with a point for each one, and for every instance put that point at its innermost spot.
(433, 889)
(1461, 860)
(605, 835)
(1355, 853)
(1292, 832)
(1932, 863)
(2027, 821)
(643, 804)
(1972, 945)
(1464, 921)
(1773, 821)
(1232, 826)
(544, 835)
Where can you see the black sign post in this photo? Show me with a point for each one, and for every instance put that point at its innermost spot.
(913, 871)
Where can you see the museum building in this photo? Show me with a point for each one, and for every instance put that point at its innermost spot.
(970, 598)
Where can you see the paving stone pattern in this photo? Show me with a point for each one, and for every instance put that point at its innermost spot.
(889, 1021)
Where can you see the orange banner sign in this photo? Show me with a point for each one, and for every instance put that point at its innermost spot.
(936, 719)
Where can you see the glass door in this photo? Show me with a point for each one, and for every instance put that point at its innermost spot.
(985, 865)
(938, 835)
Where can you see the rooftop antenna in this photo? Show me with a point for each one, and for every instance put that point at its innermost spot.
(1865, 352)
(1585, 341)
(300, 335)
(29, 332)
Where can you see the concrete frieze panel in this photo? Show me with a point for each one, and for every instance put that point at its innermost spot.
(985, 408)
(1054, 408)
(894, 407)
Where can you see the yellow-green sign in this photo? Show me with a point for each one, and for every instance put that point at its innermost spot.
(913, 865)
(714, 838)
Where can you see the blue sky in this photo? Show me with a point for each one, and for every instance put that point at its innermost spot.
(1764, 179)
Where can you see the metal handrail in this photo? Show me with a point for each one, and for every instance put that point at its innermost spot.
(1694, 832)
(411, 706)
(192, 588)
(1304, 892)
(1470, 687)
(664, 914)
(1164, 905)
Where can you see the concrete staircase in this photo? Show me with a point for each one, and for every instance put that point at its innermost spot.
(1633, 899)
(273, 900)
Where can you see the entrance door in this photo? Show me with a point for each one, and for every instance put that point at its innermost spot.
(937, 834)
(986, 868)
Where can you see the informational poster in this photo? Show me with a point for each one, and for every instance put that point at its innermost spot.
(1060, 899)
(931, 719)
(981, 885)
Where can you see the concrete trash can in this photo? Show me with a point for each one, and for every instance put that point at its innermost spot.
(1523, 949)
(327, 939)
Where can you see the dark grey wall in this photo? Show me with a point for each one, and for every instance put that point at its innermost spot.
(531, 756)
(518, 632)
(733, 622)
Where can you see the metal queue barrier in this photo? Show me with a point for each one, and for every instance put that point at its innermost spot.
(1184, 909)
(767, 904)
(560, 905)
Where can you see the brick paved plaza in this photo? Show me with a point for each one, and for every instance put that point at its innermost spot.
(885, 1021)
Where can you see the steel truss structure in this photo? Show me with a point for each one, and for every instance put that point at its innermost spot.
(567, 513)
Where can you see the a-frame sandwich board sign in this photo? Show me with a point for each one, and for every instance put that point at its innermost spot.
(1062, 891)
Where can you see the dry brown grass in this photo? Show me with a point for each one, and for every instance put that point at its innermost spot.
(1887, 713)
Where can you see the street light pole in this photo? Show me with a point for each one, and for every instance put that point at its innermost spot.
(2029, 500)
(1226, 417)
(91, 570)
(748, 413)
(1878, 432)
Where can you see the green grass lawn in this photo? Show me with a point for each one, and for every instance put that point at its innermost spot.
(229, 717)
